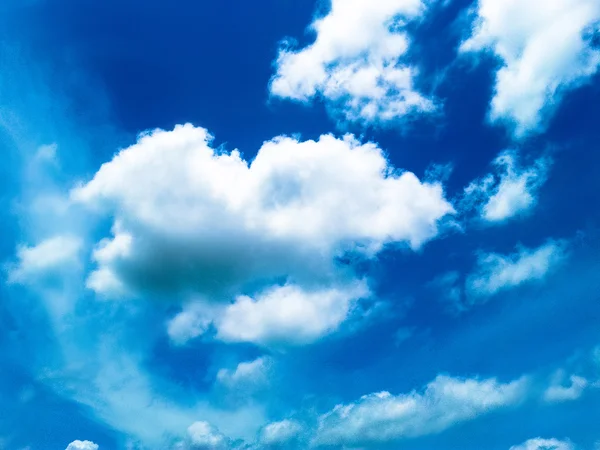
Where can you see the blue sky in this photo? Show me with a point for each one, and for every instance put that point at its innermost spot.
(300, 225)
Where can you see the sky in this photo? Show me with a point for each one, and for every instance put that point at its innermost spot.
(285, 224)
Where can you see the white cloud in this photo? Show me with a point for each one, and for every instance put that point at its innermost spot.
(50, 255)
(509, 192)
(280, 433)
(446, 401)
(82, 445)
(356, 62)
(247, 375)
(193, 321)
(558, 392)
(545, 50)
(496, 272)
(544, 444)
(189, 219)
(203, 436)
(288, 314)
(192, 218)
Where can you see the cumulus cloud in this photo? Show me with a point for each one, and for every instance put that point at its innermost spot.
(288, 314)
(53, 254)
(280, 433)
(247, 375)
(559, 392)
(544, 444)
(446, 401)
(356, 62)
(82, 445)
(495, 272)
(190, 219)
(511, 191)
(203, 436)
(545, 49)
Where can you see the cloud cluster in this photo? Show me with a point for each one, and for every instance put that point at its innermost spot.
(356, 62)
(192, 219)
(446, 401)
(545, 47)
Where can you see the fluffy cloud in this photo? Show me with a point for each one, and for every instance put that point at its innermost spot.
(247, 375)
(496, 272)
(446, 401)
(202, 436)
(289, 314)
(509, 192)
(356, 62)
(192, 219)
(50, 255)
(545, 48)
(544, 444)
(189, 217)
(280, 433)
(558, 392)
(82, 445)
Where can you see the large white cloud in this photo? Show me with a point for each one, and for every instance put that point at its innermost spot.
(545, 47)
(189, 218)
(356, 62)
(509, 192)
(446, 401)
(544, 444)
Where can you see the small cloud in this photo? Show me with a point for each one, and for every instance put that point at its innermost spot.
(47, 257)
(280, 433)
(247, 375)
(82, 445)
(495, 272)
(558, 392)
(509, 192)
(544, 444)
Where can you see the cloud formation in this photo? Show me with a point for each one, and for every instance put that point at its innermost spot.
(191, 219)
(446, 401)
(82, 445)
(357, 62)
(509, 192)
(545, 48)
(495, 272)
(558, 392)
(544, 444)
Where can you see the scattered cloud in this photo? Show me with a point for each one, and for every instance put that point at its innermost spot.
(203, 436)
(54, 254)
(82, 445)
(545, 49)
(495, 272)
(446, 401)
(357, 62)
(247, 375)
(288, 314)
(509, 192)
(559, 392)
(280, 433)
(544, 444)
